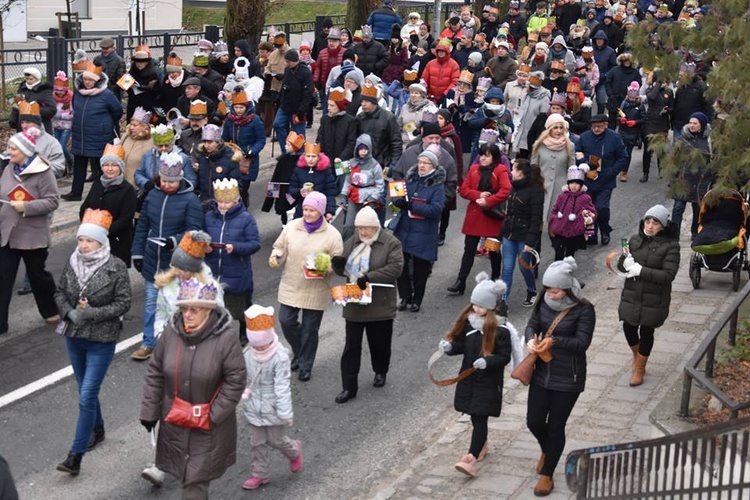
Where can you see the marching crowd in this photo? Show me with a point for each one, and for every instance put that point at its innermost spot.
(531, 117)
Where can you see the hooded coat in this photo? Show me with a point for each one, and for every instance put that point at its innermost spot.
(322, 177)
(696, 178)
(210, 363)
(120, 201)
(222, 164)
(524, 217)
(250, 137)
(569, 203)
(475, 222)
(96, 116)
(383, 129)
(270, 400)
(238, 227)
(440, 76)
(646, 298)
(417, 229)
(481, 393)
(365, 180)
(41, 93)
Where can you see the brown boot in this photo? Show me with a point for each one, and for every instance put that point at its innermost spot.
(540, 463)
(639, 370)
(634, 348)
(544, 486)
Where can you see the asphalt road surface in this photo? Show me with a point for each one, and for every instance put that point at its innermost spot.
(350, 450)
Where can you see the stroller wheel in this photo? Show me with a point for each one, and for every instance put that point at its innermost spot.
(695, 272)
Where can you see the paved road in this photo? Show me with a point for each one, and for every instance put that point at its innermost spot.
(351, 451)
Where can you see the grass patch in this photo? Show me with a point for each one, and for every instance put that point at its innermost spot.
(193, 18)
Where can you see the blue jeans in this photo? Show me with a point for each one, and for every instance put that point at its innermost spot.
(511, 250)
(303, 337)
(678, 209)
(149, 314)
(90, 361)
(63, 136)
(281, 125)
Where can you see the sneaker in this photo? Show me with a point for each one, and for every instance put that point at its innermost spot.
(142, 354)
(24, 290)
(253, 483)
(295, 464)
(530, 299)
(153, 475)
(52, 320)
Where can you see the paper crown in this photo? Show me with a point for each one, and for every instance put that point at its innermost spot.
(296, 140)
(559, 99)
(371, 92)
(410, 75)
(546, 30)
(195, 243)
(221, 48)
(557, 65)
(466, 76)
(99, 217)
(88, 66)
(279, 38)
(226, 190)
(503, 32)
(198, 109)
(174, 62)
(239, 96)
(194, 293)
(687, 67)
(170, 166)
(484, 83)
(429, 116)
(445, 44)
(28, 108)
(338, 94)
(535, 80)
(467, 32)
(312, 148)
(143, 47)
(162, 134)
(524, 68)
(211, 132)
(258, 318)
(574, 85)
(533, 36)
(488, 136)
(366, 31)
(141, 115)
(200, 60)
(587, 52)
(61, 80)
(115, 150)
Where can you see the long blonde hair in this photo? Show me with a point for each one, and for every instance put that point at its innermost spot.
(569, 146)
(164, 278)
(489, 329)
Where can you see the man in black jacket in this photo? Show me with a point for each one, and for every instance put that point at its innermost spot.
(372, 57)
(382, 127)
(113, 64)
(296, 96)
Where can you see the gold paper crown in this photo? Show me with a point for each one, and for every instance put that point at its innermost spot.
(61, 82)
(99, 217)
(445, 43)
(28, 108)
(535, 81)
(114, 150)
(337, 94)
(558, 65)
(226, 190)
(174, 60)
(547, 29)
(195, 248)
(410, 75)
(533, 36)
(296, 140)
(198, 108)
(260, 322)
(466, 76)
(573, 87)
(142, 47)
(87, 65)
(239, 97)
(279, 38)
(312, 148)
(524, 68)
(370, 92)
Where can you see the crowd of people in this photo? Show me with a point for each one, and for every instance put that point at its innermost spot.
(531, 118)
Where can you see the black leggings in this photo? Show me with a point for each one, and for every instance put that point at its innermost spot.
(467, 261)
(547, 414)
(478, 434)
(645, 339)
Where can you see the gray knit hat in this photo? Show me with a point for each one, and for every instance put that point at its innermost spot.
(658, 212)
(189, 254)
(487, 292)
(430, 156)
(559, 274)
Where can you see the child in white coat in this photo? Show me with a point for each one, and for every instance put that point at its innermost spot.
(267, 400)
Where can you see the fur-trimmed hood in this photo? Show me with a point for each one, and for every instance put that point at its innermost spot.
(324, 163)
(433, 179)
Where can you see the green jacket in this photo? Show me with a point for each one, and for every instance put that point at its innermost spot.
(645, 299)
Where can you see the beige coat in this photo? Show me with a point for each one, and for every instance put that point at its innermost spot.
(294, 244)
(28, 230)
(276, 65)
(134, 151)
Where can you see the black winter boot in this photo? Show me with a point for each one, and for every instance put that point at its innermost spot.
(96, 437)
(72, 464)
(459, 287)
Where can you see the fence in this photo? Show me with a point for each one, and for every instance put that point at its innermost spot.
(706, 463)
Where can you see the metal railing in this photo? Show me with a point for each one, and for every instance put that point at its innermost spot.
(710, 462)
(707, 352)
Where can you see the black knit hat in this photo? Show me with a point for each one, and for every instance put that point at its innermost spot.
(395, 31)
(291, 55)
(430, 128)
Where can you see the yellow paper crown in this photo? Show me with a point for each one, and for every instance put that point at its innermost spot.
(466, 76)
(87, 65)
(114, 150)
(99, 217)
(558, 65)
(296, 140)
(524, 68)
(198, 108)
(337, 94)
(410, 75)
(370, 92)
(174, 60)
(226, 190)
(312, 148)
(239, 97)
(28, 108)
(260, 322)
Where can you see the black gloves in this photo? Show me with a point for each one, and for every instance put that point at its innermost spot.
(401, 203)
(148, 186)
(339, 265)
(138, 264)
(170, 244)
(362, 282)
(149, 424)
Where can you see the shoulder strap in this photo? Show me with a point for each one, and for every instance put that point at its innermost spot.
(177, 367)
(556, 322)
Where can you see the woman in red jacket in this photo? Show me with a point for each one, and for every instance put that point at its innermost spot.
(486, 185)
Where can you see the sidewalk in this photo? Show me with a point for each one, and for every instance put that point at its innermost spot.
(609, 411)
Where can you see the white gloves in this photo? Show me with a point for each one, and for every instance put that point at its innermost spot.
(480, 363)
(632, 267)
(445, 345)
(628, 262)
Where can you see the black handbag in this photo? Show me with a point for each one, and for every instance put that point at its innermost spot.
(498, 212)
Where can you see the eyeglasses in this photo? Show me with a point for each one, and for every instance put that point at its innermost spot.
(189, 309)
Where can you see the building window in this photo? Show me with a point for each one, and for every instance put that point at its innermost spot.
(82, 7)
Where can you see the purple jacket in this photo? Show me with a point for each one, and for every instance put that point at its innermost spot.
(568, 203)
